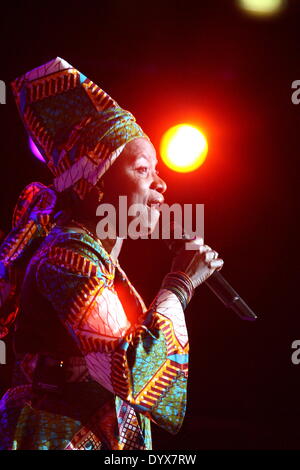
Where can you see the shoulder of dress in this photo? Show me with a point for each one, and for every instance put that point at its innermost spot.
(77, 252)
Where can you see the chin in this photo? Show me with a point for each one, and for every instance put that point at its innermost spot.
(153, 219)
(150, 222)
(148, 219)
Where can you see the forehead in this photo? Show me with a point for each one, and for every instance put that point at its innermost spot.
(139, 148)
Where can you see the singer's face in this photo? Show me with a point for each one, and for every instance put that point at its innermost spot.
(134, 175)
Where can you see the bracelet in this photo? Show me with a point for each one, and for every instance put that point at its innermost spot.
(181, 285)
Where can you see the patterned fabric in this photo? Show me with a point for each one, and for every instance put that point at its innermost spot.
(32, 221)
(78, 128)
(49, 430)
(133, 362)
(142, 362)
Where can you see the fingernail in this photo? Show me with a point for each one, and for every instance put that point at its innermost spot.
(216, 263)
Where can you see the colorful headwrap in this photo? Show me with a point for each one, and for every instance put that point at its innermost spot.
(78, 128)
(80, 131)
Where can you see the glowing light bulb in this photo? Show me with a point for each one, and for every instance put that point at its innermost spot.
(183, 148)
(262, 7)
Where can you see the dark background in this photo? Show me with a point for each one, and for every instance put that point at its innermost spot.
(211, 65)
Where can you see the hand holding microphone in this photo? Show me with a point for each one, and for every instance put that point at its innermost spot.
(197, 261)
(201, 265)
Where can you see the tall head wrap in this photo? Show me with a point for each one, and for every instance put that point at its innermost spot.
(80, 131)
(78, 128)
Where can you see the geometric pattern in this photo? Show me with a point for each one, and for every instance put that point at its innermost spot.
(143, 362)
(84, 439)
(78, 128)
(175, 314)
(146, 364)
(32, 220)
(130, 436)
(139, 355)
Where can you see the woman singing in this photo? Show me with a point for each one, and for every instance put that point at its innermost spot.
(94, 366)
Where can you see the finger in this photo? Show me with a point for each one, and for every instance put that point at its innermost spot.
(214, 254)
(204, 249)
(216, 264)
(209, 256)
(194, 244)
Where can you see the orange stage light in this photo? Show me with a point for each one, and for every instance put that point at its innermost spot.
(183, 148)
(262, 7)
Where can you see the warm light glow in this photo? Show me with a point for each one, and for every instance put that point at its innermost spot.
(35, 150)
(262, 7)
(183, 148)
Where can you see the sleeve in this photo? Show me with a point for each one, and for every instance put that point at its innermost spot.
(145, 364)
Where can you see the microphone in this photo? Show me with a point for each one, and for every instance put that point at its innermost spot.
(229, 297)
(217, 284)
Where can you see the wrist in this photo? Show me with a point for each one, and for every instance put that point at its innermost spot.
(181, 285)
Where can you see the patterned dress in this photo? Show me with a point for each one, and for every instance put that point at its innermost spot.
(97, 366)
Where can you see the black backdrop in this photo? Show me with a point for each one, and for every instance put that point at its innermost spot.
(206, 63)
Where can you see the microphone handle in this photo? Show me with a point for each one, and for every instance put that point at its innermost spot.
(218, 285)
(229, 297)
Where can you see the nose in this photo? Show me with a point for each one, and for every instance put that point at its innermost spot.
(158, 184)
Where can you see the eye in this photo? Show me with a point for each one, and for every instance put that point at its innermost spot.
(143, 170)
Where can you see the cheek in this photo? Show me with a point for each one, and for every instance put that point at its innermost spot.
(137, 193)
(127, 184)
(127, 188)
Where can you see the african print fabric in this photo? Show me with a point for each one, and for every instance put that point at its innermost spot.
(141, 359)
(32, 221)
(132, 363)
(78, 128)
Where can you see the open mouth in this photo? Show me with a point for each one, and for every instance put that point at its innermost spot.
(155, 204)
